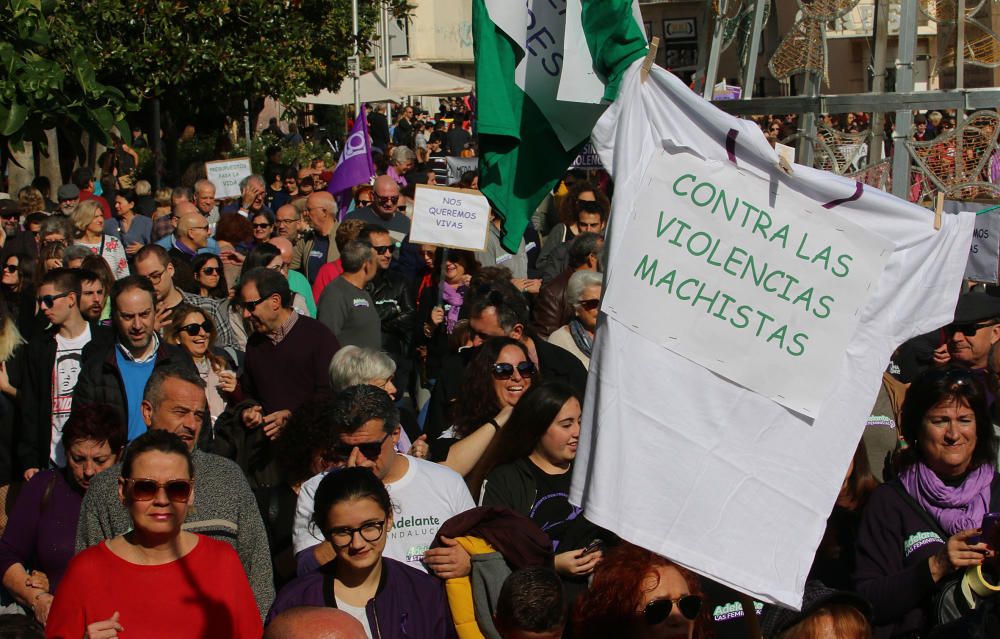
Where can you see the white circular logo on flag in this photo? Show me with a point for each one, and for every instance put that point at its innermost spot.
(354, 145)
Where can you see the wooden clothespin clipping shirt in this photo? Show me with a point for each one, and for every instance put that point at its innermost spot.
(647, 64)
(938, 208)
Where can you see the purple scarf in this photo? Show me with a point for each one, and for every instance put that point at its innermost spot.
(956, 508)
(453, 297)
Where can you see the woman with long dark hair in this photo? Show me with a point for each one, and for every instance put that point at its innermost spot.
(210, 275)
(495, 380)
(920, 532)
(19, 290)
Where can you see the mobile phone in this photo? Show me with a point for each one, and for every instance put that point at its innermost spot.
(991, 530)
(596, 544)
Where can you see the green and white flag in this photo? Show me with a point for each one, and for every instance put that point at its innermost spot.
(545, 72)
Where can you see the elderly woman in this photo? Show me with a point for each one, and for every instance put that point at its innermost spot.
(353, 365)
(402, 159)
(200, 587)
(919, 532)
(584, 296)
(40, 538)
(88, 219)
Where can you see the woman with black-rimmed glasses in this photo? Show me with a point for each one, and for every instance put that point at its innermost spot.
(637, 594)
(390, 599)
(156, 580)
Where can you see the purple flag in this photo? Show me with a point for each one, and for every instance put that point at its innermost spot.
(355, 165)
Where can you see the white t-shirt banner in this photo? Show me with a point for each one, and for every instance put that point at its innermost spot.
(682, 460)
(226, 175)
(456, 218)
(984, 252)
(762, 287)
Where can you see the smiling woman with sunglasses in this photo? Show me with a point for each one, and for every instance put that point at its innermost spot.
(156, 580)
(389, 598)
(194, 331)
(636, 594)
(495, 380)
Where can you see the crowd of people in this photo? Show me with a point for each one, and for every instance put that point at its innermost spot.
(285, 419)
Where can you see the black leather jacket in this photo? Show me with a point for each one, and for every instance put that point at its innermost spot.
(395, 305)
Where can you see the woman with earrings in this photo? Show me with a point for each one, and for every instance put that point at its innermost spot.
(156, 580)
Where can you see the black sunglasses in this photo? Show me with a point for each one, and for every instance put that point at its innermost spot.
(388, 199)
(46, 301)
(658, 610)
(382, 250)
(589, 305)
(194, 328)
(263, 225)
(10, 268)
(503, 370)
(210, 270)
(371, 450)
(968, 329)
(251, 305)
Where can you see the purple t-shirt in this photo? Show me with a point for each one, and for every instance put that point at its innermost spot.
(43, 536)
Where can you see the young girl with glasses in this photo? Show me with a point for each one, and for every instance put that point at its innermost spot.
(156, 580)
(389, 598)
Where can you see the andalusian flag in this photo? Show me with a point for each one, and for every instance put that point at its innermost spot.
(545, 72)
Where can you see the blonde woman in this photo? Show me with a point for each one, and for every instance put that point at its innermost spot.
(88, 221)
(10, 341)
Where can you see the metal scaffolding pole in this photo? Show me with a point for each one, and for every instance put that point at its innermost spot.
(750, 71)
(904, 84)
(877, 127)
(716, 49)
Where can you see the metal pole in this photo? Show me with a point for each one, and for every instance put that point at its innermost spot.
(807, 122)
(750, 72)
(878, 79)
(355, 60)
(960, 58)
(713, 54)
(246, 127)
(904, 84)
(386, 54)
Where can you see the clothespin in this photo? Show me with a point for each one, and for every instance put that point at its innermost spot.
(647, 64)
(784, 166)
(938, 208)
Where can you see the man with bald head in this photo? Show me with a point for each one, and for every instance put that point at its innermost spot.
(311, 622)
(288, 222)
(384, 209)
(296, 281)
(317, 248)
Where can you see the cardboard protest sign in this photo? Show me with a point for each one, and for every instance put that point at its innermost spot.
(684, 461)
(455, 218)
(457, 166)
(984, 251)
(741, 280)
(226, 175)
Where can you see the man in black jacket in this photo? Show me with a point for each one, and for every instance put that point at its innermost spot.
(498, 310)
(54, 356)
(115, 371)
(393, 298)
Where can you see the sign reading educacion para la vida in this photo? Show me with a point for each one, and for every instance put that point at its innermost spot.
(763, 289)
(445, 216)
(226, 175)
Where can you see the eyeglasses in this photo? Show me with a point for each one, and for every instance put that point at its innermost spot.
(968, 329)
(210, 270)
(387, 199)
(364, 202)
(10, 216)
(251, 305)
(47, 301)
(194, 328)
(265, 225)
(371, 450)
(589, 305)
(156, 276)
(382, 250)
(280, 221)
(200, 228)
(370, 532)
(10, 268)
(177, 490)
(658, 610)
(504, 371)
